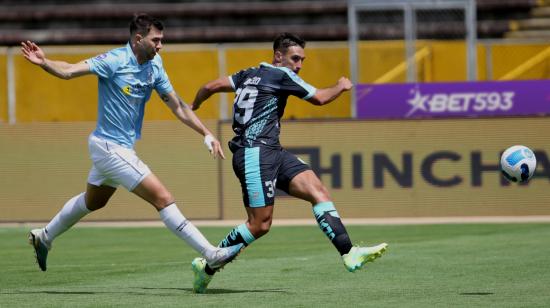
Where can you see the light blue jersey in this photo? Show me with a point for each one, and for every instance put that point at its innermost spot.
(124, 88)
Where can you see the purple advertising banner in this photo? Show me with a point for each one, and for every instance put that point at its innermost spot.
(458, 99)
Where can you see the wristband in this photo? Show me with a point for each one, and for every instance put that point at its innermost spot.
(208, 142)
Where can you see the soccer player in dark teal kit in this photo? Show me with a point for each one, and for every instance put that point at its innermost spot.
(262, 164)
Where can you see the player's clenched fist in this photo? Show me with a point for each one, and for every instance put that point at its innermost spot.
(345, 83)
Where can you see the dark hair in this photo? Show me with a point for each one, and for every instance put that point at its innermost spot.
(142, 23)
(285, 40)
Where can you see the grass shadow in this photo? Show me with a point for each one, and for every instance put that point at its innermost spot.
(186, 290)
(476, 293)
(222, 291)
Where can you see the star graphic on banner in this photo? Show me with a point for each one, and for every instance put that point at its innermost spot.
(417, 102)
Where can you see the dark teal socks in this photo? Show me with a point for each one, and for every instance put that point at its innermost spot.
(239, 235)
(330, 223)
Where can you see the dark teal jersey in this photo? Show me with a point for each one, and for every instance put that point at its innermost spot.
(260, 99)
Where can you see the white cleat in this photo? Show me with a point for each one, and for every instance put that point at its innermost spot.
(41, 247)
(222, 256)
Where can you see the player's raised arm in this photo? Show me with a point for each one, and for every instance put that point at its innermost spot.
(184, 113)
(327, 95)
(221, 84)
(63, 70)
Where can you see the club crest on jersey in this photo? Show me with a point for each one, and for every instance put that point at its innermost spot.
(127, 89)
(254, 81)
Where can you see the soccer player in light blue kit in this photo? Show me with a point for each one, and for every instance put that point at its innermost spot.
(126, 78)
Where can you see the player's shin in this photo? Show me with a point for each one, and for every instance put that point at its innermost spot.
(329, 221)
(185, 230)
(239, 235)
(70, 214)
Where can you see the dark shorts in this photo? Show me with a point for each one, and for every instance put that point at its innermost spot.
(260, 170)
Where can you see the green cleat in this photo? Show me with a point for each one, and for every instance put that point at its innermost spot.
(41, 248)
(202, 279)
(358, 256)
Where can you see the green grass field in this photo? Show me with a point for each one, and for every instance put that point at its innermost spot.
(471, 265)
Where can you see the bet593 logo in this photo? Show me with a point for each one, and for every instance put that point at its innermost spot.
(470, 102)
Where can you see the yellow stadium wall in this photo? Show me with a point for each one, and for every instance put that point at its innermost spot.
(53, 99)
(507, 57)
(43, 98)
(44, 164)
(446, 61)
(377, 58)
(188, 69)
(3, 87)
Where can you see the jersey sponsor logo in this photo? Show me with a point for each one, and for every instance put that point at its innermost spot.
(101, 56)
(137, 89)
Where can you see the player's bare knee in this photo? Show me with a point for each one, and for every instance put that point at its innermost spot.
(163, 200)
(259, 228)
(260, 232)
(320, 194)
(265, 227)
(96, 205)
(315, 192)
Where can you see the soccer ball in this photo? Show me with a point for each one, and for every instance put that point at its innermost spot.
(518, 163)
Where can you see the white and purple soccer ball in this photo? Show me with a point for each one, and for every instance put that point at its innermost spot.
(518, 163)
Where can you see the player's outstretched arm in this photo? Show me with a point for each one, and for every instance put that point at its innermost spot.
(63, 70)
(219, 85)
(184, 113)
(327, 95)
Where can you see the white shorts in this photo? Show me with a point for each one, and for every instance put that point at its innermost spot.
(114, 164)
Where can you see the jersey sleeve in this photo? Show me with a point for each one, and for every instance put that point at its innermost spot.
(104, 65)
(162, 82)
(296, 86)
(238, 78)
